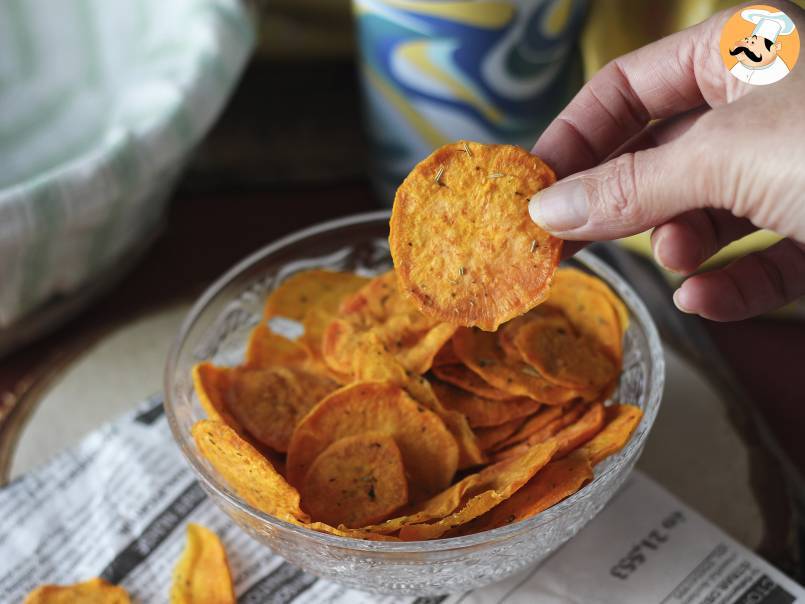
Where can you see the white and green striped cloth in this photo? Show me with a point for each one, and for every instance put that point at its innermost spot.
(100, 103)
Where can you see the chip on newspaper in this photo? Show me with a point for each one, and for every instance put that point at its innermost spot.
(201, 576)
(467, 389)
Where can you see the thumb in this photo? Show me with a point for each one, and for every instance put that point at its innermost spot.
(624, 196)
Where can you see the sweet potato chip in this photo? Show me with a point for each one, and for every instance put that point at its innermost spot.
(480, 351)
(621, 421)
(551, 345)
(429, 451)
(438, 506)
(463, 244)
(315, 322)
(488, 438)
(266, 403)
(343, 531)
(508, 330)
(210, 382)
(482, 412)
(373, 363)
(247, 472)
(556, 481)
(498, 478)
(94, 591)
(315, 288)
(267, 349)
(620, 308)
(540, 427)
(379, 307)
(590, 306)
(465, 378)
(580, 431)
(446, 356)
(569, 279)
(356, 481)
(202, 574)
(256, 481)
(500, 482)
(469, 453)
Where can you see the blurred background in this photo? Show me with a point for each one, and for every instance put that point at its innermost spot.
(146, 146)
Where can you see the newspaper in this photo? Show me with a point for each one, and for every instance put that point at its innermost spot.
(116, 506)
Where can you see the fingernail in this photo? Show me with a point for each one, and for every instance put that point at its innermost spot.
(560, 207)
(679, 301)
(658, 254)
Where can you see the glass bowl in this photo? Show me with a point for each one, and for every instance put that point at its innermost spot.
(217, 329)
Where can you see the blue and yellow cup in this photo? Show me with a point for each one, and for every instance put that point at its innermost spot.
(482, 70)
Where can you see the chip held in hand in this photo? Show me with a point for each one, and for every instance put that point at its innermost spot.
(464, 246)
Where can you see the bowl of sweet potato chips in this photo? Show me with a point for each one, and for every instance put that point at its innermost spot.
(422, 402)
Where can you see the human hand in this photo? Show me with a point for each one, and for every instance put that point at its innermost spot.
(665, 137)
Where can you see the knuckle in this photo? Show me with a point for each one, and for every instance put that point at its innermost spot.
(714, 180)
(616, 197)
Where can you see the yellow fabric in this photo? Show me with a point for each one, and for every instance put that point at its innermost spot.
(756, 241)
(615, 27)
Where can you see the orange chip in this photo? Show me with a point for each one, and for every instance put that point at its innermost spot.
(356, 481)
(591, 307)
(94, 591)
(463, 244)
(569, 279)
(556, 481)
(315, 288)
(580, 431)
(246, 471)
(373, 363)
(469, 453)
(255, 480)
(210, 382)
(621, 421)
(551, 345)
(509, 330)
(482, 412)
(343, 531)
(379, 307)
(480, 352)
(438, 506)
(488, 438)
(267, 349)
(540, 427)
(446, 356)
(429, 451)
(267, 403)
(500, 482)
(620, 308)
(465, 378)
(498, 478)
(202, 574)
(315, 322)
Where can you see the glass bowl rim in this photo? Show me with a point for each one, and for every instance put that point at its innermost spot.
(212, 484)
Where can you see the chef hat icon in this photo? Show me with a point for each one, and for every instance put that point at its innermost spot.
(768, 25)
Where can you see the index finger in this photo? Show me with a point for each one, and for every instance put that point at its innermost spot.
(670, 76)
